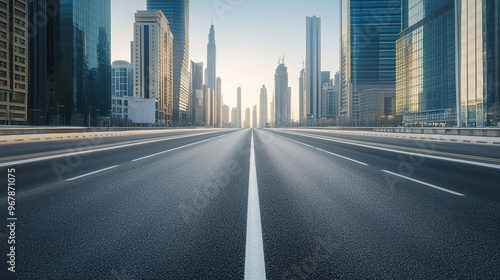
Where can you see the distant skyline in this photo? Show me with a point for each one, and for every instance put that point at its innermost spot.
(251, 36)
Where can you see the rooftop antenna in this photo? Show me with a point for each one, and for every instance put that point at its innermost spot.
(284, 58)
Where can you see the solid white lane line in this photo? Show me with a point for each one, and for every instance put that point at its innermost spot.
(91, 173)
(177, 148)
(325, 151)
(254, 252)
(424, 183)
(340, 156)
(489, 165)
(18, 162)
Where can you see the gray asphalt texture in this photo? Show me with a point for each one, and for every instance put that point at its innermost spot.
(182, 214)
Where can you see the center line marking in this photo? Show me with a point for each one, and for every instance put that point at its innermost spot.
(255, 267)
(91, 173)
(424, 183)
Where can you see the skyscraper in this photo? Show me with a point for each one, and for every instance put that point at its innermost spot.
(281, 93)
(153, 67)
(237, 124)
(263, 107)
(14, 63)
(325, 78)
(72, 57)
(177, 14)
(225, 116)
(233, 117)
(254, 116)
(426, 77)
(218, 102)
(247, 118)
(313, 66)
(302, 96)
(478, 53)
(369, 30)
(196, 95)
(211, 74)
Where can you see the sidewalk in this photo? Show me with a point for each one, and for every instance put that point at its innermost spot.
(4, 139)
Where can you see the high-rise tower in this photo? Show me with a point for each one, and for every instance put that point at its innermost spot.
(313, 66)
(177, 14)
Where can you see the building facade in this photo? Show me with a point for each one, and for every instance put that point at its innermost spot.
(121, 88)
(281, 96)
(196, 93)
(263, 119)
(247, 118)
(313, 67)
(14, 62)
(369, 31)
(225, 116)
(302, 96)
(71, 57)
(478, 52)
(328, 102)
(153, 62)
(426, 75)
(177, 14)
(237, 122)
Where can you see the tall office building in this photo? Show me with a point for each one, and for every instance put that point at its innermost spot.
(426, 77)
(254, 116)
(211, 78)
(71, 57)
(153, 67)
(207, 105)
(478, 52)
(313, 67)
(177, 14)
(263, 107)
(247, 118)
(325, 78)
(218, 102)
(302, 96)
(328, 101)
(196, 93)
(14, 62)
(281, 94)
(233, 117)
(369, 30)
(122, 84)
(225, 116)
(271, 117)
(237, 124)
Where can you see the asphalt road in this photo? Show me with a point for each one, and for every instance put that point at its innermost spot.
(319, 207)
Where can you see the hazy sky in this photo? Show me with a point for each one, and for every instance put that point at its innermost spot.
(250, 35)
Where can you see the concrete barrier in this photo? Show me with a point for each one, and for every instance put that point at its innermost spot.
(487, 132)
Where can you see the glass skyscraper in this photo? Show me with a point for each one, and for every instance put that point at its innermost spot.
(72, 57)
(479, 60)
(177, 14)
(368, 50)
(448, 63)
(426, 76)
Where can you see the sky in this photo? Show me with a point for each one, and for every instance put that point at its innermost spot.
(251, 36)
